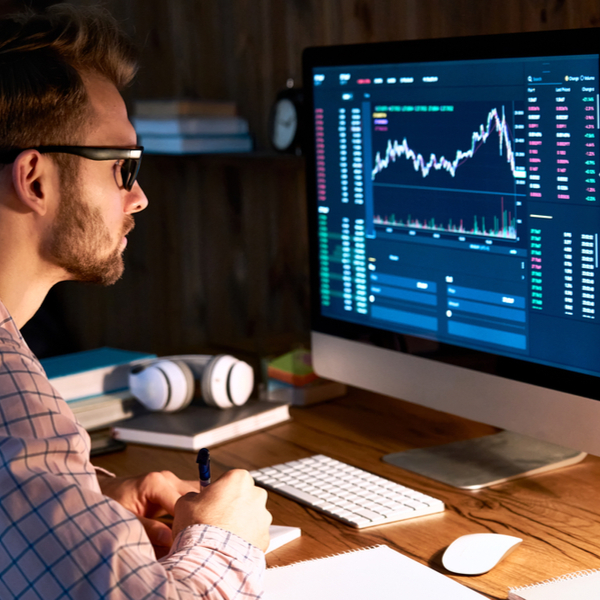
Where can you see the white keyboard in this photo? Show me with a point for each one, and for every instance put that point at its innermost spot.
(353, 496)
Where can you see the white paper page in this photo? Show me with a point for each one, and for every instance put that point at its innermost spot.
(378, 572)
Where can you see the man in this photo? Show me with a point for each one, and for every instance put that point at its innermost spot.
(67, 196)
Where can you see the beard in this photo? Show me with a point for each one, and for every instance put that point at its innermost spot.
(80, 238)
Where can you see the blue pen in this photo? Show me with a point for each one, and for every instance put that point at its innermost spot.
(203, 460)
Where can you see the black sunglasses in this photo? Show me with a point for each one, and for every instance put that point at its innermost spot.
(132, 157)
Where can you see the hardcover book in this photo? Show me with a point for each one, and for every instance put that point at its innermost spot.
(199, 426)
(191, 126)
(204, 144)
(96, 412)
(91, 372)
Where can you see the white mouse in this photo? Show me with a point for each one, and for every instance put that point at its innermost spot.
(477, 553)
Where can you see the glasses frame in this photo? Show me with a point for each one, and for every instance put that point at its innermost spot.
(129, 171)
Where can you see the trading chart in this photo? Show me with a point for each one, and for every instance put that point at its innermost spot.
(462, 154)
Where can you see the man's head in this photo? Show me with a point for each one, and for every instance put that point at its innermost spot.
(59, 79)
(94, 215)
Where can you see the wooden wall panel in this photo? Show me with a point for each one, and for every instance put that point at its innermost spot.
(219, 259)
(246, 49)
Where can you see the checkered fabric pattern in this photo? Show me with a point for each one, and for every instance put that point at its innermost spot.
(61, 538)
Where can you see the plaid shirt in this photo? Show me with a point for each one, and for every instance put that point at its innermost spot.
(61, 538)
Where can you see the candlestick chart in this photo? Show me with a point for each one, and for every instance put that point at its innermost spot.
(451, 171)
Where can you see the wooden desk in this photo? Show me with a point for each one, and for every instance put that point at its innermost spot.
(557, 514)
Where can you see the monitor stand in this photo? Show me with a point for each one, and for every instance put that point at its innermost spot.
(489, 460)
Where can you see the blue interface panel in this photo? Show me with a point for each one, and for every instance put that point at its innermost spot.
(458, 201)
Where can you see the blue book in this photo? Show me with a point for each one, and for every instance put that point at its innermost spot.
(201, 144)
(191, 126)
(91, 372)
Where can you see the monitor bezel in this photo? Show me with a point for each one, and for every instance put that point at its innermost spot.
(497, 46)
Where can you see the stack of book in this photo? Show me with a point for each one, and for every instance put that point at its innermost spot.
(190, 127)
(95, 384)
(290, 378)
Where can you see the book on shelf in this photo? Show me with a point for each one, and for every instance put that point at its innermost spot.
(172, 107)
(91, 372)
(103, 410)
(190, 126)
(199, 426)
(374, 572)
(206, 144)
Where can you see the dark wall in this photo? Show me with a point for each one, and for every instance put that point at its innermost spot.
(245, 50)
(219, 259)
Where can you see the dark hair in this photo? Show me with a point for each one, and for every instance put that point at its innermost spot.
(43, 99)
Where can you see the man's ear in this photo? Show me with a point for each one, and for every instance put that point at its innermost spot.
(34, 178)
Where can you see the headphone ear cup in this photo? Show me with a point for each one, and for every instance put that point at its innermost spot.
(226, 381)
(182, 386)
(166, 385)
(213, 384)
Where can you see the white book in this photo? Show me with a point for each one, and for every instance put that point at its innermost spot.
(376, 572)
(190, 126)
(581, 585)
(177, 144)
(104, 410)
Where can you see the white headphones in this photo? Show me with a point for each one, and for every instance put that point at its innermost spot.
(169, 383)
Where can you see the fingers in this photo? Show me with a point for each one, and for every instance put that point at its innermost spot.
(149, 495)
(163, 489)
(232, 503)
(183, 486)
(238, 478)
(159, 533)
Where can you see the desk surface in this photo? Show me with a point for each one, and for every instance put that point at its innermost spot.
(557, 514)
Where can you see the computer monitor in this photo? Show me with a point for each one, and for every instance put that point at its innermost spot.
(454, 221)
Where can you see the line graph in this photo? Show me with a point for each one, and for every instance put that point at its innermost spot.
(493, 122)
(455, 171)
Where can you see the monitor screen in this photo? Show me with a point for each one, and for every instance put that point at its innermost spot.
(454, 224)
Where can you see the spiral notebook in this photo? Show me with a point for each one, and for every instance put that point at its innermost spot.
(583, 585)
(375, 572)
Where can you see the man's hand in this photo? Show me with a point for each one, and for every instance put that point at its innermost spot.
(232, 503)
(149, 496)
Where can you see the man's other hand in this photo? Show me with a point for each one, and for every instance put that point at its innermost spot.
(232, 503)
(148, 497)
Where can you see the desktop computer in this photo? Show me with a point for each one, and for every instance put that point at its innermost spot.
(454, 214)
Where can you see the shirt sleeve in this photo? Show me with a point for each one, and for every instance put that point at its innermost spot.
(61, 538)
(217, 554)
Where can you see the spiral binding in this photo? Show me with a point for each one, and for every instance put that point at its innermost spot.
(326, 557)
(553, 580)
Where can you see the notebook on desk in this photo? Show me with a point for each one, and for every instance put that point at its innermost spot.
(376, 572)
(199, 426)
(582, 585)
